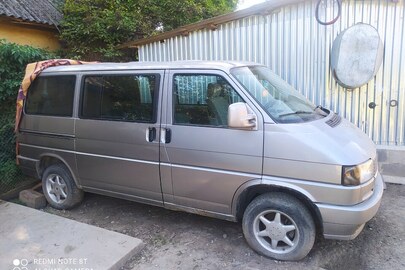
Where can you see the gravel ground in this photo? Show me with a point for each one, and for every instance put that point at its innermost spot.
(177, 240)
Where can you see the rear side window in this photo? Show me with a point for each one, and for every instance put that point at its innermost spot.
(119, 97)
(51, 95)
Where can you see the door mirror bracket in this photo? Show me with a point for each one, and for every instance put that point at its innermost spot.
(240, 116)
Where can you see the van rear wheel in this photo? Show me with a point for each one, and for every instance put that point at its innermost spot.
(279, 226)
(59, 187)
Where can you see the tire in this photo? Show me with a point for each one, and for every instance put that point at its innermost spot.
(286, 217)
(59, 187)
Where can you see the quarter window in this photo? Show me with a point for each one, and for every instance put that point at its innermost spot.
(202, 99)
(51, 95)
(121, 98)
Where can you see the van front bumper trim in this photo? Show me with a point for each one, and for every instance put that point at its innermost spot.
(346, 222)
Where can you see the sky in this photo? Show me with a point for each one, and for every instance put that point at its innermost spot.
(248, 3)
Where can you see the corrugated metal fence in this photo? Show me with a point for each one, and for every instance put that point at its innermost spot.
(294, 45)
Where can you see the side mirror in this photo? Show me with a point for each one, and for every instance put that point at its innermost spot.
(240, 116)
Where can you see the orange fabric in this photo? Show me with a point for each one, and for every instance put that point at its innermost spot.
(31, 72)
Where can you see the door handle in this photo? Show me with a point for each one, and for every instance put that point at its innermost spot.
(166, 135)
(151, 134)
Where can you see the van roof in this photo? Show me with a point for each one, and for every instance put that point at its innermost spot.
(222, 65)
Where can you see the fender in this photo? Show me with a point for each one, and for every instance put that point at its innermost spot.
(269, 181)
(240, 190)
(58, 157)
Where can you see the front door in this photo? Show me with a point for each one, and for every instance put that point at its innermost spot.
(117, 145)
(206, 160)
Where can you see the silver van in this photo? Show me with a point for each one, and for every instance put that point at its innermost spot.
(222, 139)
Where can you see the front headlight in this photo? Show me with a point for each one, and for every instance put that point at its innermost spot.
(356, 175)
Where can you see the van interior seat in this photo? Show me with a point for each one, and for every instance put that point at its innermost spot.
(218, 102)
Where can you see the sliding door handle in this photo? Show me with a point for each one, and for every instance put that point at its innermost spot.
(165, 135)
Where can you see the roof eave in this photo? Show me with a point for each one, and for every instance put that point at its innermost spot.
(21, 21)
(260, 9)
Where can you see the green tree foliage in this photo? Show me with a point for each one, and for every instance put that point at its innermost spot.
(171, 14)
(13, 60)
(91, 29)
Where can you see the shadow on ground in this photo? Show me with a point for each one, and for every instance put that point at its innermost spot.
(177, 240)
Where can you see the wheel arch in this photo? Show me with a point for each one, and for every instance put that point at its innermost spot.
(250, 190)
(49, 159)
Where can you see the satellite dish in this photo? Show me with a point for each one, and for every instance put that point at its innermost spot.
(356, 55)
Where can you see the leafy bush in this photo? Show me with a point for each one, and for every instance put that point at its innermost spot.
(7, 138)
(9, 171)
(13, 60)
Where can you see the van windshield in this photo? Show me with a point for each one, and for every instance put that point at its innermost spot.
(281, 101)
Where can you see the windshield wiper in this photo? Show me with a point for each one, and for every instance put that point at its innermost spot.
(321, 110)
(297, 112)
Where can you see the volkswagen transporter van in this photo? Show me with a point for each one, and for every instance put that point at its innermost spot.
(222, 139)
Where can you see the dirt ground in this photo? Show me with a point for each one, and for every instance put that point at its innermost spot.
(177, 240)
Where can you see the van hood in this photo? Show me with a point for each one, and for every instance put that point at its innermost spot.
(316, 141)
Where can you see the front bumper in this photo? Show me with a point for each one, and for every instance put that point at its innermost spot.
(346, 222)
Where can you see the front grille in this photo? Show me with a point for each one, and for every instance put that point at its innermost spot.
(334, 121)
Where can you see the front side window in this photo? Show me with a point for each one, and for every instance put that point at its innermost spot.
(280, 100)
(119, 97)
(51, 95)
(201, 99)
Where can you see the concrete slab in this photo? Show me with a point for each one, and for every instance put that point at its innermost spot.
(392, 162)
(34, 240)
(394, 179)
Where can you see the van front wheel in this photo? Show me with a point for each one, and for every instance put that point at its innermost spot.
(279, 226)
(59, 187)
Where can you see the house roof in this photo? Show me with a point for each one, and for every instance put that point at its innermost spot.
(39, 11)
(212, 23)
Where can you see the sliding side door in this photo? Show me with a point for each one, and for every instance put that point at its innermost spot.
(117, 145)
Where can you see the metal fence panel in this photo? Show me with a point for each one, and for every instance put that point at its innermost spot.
(294, 45)
(10, 175)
